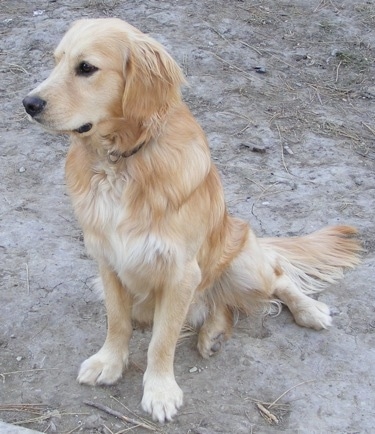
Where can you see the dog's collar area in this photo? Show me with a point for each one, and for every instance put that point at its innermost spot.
(115, 156)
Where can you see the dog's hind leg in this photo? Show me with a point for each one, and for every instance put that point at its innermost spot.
(259, 275)
(306, 311)
(306, 265)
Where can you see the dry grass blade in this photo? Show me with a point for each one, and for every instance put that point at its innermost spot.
(244, 73)
(265, 407)
(337, 71)
(186, 333)
(49, 414)
(250, 46)
(29, 408)
(369, 128)
(27, 278)
(282, 149)
(287, 391)
(12, 67)
(74, 429)
(4, 374)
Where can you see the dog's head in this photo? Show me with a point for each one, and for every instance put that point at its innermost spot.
(105, 69)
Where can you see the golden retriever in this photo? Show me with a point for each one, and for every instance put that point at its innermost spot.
(151, 205)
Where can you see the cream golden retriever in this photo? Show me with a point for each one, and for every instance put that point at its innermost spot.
(151, 205)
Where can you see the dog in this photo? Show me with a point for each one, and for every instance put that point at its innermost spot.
(151, 206)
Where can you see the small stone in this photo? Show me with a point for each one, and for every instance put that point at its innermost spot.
(193, 369)
(19, 358)
(254, 147)
(260, 69)
(22, 169)
(288, 150)
(336, 53)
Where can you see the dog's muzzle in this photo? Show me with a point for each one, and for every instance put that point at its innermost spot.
(35, 105)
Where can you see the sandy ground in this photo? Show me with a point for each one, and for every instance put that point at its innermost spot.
(285, 91)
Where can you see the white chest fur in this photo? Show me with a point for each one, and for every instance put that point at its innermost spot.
(123, 236)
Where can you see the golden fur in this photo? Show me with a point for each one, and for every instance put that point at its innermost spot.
(151, 205)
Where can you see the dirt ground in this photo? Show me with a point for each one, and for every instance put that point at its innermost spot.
(285, 91)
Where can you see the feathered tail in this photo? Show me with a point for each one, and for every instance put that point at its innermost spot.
(315, 260)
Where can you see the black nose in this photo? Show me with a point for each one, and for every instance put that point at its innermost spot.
(33, 105)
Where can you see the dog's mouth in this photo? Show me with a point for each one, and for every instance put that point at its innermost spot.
(83, 128)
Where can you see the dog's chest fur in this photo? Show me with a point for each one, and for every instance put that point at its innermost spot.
(121, 235)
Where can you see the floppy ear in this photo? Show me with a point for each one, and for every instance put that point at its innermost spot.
(152, 79)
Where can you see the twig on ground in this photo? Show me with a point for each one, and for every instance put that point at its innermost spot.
(250, 46)
(119, 415)
(27, 279)
(132, 412)
(271, 417)
(282, 148)
(369, 128)
(217, 32)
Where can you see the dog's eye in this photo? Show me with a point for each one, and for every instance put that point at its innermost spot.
(85, 68)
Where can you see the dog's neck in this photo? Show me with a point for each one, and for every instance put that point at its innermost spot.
(114, 157)
(116, 140)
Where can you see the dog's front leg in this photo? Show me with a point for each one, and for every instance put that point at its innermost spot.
(162, 396)
(107, 365)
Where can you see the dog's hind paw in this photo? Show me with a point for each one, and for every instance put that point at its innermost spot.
(315, 315)
(208, 346)
(104, 367)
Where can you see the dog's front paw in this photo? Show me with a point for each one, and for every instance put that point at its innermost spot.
(314, 315)
(162, 397)
(104, 367)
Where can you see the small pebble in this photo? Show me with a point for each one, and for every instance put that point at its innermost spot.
(22, 169)
(288, 150)
(19, 358)
(254, 147)
(194, 369)
(260, 69)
